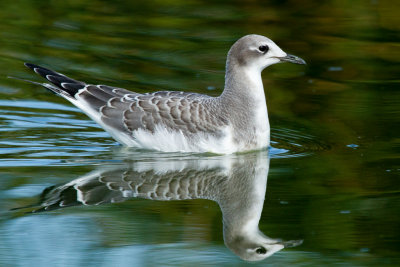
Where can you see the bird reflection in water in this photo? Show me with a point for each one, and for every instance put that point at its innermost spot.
(236, 182)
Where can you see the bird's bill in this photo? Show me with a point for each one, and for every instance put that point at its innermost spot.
(292, 243)
(292, 59)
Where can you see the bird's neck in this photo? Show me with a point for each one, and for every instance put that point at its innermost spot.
(244, 102)
(244, 82)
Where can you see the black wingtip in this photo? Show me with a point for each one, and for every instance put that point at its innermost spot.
(39, 69)
(63, 82)
(30, 65)
(33, 66)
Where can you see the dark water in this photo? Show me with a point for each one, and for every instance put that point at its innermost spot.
(333, 178)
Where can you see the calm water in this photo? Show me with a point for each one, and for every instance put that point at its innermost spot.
(333, 193)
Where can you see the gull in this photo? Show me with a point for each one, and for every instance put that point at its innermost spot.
(175, 121)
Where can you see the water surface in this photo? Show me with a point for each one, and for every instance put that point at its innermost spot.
(334, 162)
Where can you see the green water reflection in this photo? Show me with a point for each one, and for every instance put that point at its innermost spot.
(334, 171)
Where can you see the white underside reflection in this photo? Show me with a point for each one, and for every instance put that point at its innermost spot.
(236, 182)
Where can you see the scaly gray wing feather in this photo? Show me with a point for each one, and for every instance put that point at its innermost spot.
(186, 112)
(128, 111)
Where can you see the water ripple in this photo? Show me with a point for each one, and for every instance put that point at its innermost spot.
(289, 143)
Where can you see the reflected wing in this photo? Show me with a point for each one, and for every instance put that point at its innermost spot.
(118, 185)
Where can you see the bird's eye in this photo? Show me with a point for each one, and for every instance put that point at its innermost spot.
(263, 48)
(261, 250)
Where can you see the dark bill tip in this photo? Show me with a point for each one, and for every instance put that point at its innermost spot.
(292, 59)
(292, 243)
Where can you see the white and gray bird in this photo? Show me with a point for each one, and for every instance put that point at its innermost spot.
(168, 121)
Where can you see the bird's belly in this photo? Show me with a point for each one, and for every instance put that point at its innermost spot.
(163, 139)
(262, 137)
(166, 140)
